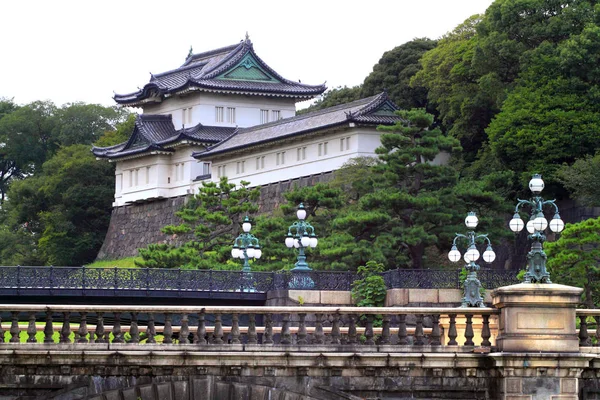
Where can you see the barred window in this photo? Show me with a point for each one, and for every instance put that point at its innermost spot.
(218, 114)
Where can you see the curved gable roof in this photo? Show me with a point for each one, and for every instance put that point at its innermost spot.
(236, 69)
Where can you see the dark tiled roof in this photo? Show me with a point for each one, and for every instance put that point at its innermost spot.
(208, 71)
(375, 110)
(157, 133)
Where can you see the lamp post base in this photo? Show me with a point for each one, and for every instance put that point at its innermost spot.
(472, 288)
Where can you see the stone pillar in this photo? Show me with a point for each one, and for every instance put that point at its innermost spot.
(541, 376)
(537, 317)
(537, 341)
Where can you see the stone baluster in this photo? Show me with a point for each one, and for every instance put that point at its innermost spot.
(252, 336)
(218, 332)
(452, 333)
(134, 330)
(434, 338)
(597, 319)
(65, 332)
(385, 330)
(301, 335)
(100, 329)
(352, 336)
(168, 330)
(286, 337)
(14, 328)
(184, 333)
(31, 329)
(584, 338)
(419, 336)
(200, 336)
(319, 336)
(151, 329)
(235, 329)
(469, 335)
(485, 331)
(369, 330)
(402, 335)
(83, 329)
(48, 329)
(116, 331)
(336, 336)
(268, 335)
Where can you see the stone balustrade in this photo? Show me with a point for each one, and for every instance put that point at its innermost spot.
(264, 326)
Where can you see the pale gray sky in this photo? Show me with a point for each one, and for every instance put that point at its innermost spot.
(68, 51)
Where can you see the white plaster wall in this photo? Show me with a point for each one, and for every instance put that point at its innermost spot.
(157, 176)
(363, 142)
(247, 108)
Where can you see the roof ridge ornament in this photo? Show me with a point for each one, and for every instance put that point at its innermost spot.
(190, 53)
(247, 36)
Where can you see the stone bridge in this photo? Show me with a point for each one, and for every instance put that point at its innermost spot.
(526, 346)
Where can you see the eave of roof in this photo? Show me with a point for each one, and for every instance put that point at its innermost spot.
(356, 112)
(200, 72)
(154, 133)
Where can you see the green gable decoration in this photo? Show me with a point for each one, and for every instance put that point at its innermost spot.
(248, 70)
(386, 109)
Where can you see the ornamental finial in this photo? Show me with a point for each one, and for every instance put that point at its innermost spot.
(247, 36)
(191, 52)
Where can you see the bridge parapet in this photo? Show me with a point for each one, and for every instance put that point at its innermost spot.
(261, 326)
(308, 352)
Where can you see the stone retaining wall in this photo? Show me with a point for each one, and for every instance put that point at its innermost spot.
(138, 225)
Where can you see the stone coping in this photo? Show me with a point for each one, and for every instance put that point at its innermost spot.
(248, 309)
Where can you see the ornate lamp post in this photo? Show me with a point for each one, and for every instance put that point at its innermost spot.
(537, 224)
(246, 246)
(472, 295)
(301, 235)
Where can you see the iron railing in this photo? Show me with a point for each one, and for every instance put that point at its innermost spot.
(24, 278)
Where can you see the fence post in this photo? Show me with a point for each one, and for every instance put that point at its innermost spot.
(83, 280)
(147, 281)
(18, 278)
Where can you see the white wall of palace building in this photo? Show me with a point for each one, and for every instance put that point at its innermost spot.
(223, 109)
(156, 176)
(290, 160)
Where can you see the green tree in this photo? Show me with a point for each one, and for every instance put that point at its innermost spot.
(582, 179)
(394, 71)
(465, 103)
(410, 202)
(574, 259)
(119, 135)
(212, 218)
(370, 290)
(551, 116)
(59, 216)
(82, 123)
(26, 140)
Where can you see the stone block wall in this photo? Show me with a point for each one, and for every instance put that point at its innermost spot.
(138, 225)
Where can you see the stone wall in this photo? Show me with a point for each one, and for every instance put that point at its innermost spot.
(138, 225)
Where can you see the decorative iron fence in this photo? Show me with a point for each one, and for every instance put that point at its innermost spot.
(146, 279)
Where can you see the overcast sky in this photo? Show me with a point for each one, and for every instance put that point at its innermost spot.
(68, 51)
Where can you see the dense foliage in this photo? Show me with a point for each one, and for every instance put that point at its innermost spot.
(212, 218)
(574, 259)
(518, 86)
(56, 198)
(505, 94)
(370, 289)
